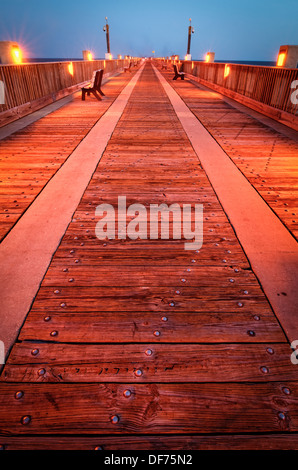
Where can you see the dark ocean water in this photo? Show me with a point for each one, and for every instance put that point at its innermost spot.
(244, 62)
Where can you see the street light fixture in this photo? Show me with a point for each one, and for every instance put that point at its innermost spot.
(190, 32)
(106, 29)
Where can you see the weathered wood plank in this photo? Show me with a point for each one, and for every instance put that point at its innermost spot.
(183, 442)
(184, 327)
(149, 276)
(153, 362)
(98, 299)
(150, 409)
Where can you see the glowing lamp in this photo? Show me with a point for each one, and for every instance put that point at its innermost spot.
(227, 71)
(281, 59)
(89, 56)
(207, 58)
(70, 68)
(17, 55)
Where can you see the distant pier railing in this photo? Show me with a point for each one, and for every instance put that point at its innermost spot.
(28, 87)
(269, 90)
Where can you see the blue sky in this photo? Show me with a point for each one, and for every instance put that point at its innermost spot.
(235, 30)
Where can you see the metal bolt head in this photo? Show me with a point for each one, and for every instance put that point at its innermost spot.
(183, 280)
(115, 419)
(63, 304)
(251, 333)
(172, 304)
(98, 448)
(164, 318)
(138, 373)
(148, 352)
(245, 292)
(54, 333)
(177, 292)
(264, 369)
(41, 372)
(256, 317)
(34, 352)
(65, 270)
(232, 280)
(281, 415)
(56, 291)
(47, 318)
(286, 390)
(127, 393)
(19, 395)
(240, 304)
(156, 333)
(26, 419)
(2, 447)
(270, 350)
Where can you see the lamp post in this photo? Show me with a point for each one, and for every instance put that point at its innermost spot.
(190, 31)
(106, 29)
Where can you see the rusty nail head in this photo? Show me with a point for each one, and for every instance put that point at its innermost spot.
(19, 395)
(270, 351)
(281, 415)
(98, 448)
(264, 369)
(48, 318)
(127, 393)
(41, 372)
(256, 317)
(26, 419)
(34, 352)
(54, 333)
(138, 372)
(286, 390)
(148, 352)
(164, 318)
(156, 333)
(115, 419)
(251, 333)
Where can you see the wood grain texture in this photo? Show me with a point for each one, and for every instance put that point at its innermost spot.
(150, 409)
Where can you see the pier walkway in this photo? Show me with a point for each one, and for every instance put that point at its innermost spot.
(141, 344)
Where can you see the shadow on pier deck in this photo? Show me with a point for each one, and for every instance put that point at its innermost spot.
(141, 344)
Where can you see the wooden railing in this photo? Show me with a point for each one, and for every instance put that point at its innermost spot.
(266, 89)
(28, 87)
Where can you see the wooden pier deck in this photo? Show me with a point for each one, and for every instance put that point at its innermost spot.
(141, 344)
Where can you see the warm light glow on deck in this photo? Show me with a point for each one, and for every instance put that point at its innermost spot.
(227, 71)
(281, 59)
(70, 68)
(17, 55)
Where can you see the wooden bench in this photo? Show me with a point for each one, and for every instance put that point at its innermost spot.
(177, 73)
(95, 86)
(128, 67)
